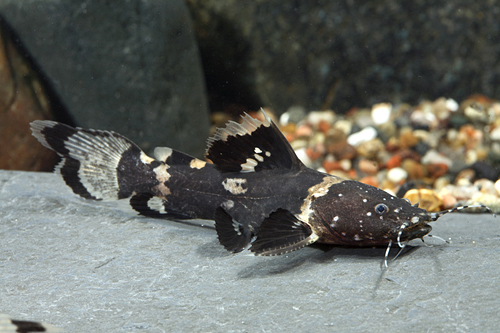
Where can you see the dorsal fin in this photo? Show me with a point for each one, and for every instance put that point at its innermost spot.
(251, 146)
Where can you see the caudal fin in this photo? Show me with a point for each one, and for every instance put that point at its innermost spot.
(98, 164)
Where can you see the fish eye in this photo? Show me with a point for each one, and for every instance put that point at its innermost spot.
(381, 209)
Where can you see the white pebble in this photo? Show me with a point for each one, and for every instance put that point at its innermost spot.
(433, 157)
(470, 156)
(381, 113)
(302, 155)
(343, 125)
(485, 186)
(315, 117)
(365, 135)
(397, 175)
(346, 164)
(495, 134)
(497, 186)
(451, 104)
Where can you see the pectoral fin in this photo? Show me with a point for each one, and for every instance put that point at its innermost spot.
(280, 233)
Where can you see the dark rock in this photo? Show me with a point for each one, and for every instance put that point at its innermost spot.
(132, 67)
(339, 54)
(421, 148)
(484, 170)
(457, 120)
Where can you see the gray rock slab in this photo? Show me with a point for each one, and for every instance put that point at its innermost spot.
(91, 266)
(128, 66)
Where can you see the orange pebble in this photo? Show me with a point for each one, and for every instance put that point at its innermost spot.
(368, 166)
(314, 152)
(290, 137)
(449, 201)
(324, 126)
(303, 130)
(437, 170)
(369, 180)
(329, 166)
(393, 162)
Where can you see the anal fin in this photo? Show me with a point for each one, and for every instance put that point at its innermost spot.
(232, 235)
(281, 233)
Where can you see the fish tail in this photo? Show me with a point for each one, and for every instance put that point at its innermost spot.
(99, 165)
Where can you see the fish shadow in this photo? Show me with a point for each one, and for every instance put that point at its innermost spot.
(313, 255)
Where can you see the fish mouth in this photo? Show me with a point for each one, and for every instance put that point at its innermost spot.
(414, 231)
(416, 227)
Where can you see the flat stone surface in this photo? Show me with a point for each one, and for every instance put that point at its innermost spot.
(91, 266)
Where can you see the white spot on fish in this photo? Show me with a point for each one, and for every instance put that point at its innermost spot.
(163, 176)
(268, 154)
(162, 153)
(257, 150)
(414, 219)
(197, 164)
(357, 238)
(157, 204)
(236, 227)
(369, 214)
(249, 166)
(316, 191)
(336, 218)
(145, 158)
(340, 194)
(228, 204)
(364, 200)
(235, 185)
(258, 158)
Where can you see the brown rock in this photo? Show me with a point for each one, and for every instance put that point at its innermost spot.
(341, 150)
(406, 138)
(22, 100)
(409, 154)
(367, 166)
(465, 177)
(370, 149)
(437, 170)
(415, 170)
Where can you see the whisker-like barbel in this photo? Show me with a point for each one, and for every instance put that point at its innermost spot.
(437, 215)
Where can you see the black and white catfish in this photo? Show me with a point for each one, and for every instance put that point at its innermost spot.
(258, 192)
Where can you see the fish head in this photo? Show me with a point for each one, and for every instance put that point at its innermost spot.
(353, 213)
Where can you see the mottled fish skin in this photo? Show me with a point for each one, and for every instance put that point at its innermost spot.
(258, 192)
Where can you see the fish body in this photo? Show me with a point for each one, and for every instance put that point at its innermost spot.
(256, 189)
